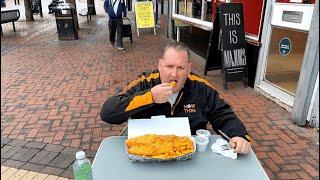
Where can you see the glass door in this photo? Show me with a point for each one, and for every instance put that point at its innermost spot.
(283, 49)
(285, 57)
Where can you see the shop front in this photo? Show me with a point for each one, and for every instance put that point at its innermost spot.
(288, 64)
(282, 46)
(193, 23)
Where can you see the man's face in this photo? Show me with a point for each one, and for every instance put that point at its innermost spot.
(174, 66)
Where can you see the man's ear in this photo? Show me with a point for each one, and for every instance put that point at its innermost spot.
(190, 64)
(159, 64)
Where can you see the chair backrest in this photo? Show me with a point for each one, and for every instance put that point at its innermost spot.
(90, 9)
(124, 131)
(10, 15)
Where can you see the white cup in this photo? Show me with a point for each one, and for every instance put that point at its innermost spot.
(203, 132)
(202, 143)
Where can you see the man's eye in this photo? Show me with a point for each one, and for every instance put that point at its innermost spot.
(170, 66)
(181, 68)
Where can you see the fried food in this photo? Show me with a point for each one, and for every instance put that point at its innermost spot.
(159, 146)
(173, 83)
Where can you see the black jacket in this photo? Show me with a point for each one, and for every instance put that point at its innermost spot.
(108, 8)
(197, 100)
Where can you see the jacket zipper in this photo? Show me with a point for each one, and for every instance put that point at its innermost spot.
(175, 104)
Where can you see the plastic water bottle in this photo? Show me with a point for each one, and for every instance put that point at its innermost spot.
(82, 167)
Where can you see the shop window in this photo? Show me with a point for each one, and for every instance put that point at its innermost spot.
(285, 58)
(197, 5)
(184, 9)
(195, 9)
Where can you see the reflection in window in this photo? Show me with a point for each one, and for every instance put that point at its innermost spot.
(193, 9)
(181, 7)
(197, 4)
(185, 8)
(208, 11)
(189, 10)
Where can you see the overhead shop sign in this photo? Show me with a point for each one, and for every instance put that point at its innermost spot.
(144, 15)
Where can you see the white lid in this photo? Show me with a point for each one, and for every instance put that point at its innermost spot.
(80, 155)
(203, 132)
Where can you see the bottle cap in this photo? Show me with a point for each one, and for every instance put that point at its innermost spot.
(80, 155)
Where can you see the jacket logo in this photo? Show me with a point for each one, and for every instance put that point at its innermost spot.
(189, 108)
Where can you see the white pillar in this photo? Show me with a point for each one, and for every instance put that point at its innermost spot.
(178, 34)
(203, 10)
(169, 19)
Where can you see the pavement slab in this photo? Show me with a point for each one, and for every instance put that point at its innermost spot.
(45, 158)
(25, 154)
(10, 173)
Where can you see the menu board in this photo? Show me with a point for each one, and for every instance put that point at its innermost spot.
(144, 14)
(227, 46)
(233, 49)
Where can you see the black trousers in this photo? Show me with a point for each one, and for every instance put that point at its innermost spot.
(116, 26)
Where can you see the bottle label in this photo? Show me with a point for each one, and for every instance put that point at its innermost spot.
(84, 172)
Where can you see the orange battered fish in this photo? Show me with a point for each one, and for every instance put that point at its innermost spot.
(159, 146)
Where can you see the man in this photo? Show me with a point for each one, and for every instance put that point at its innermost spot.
(191, 97)
(116, 10)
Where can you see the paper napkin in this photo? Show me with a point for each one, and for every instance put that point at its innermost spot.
(218, 147)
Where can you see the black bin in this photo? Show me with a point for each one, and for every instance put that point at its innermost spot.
(65, 19)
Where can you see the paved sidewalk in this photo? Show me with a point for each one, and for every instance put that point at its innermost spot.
(16, 174)
(40, 157)
(52, 92)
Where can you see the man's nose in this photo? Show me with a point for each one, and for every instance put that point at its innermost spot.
(174, 72)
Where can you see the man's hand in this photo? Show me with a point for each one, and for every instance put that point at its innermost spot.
(161, 93)
(240, 145)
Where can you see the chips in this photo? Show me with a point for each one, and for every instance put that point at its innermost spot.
(173, 83)
(160, 146)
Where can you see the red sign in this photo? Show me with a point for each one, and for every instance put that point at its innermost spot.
(253, 16)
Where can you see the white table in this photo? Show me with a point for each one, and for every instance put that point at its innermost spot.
(111, 162)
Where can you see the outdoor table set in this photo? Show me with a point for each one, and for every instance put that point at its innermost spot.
(114, 162)
(111, 162)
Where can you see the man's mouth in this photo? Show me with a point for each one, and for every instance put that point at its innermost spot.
(173, 83)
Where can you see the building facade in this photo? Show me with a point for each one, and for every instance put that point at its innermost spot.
(282, 46)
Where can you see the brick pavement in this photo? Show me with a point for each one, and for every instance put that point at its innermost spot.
(52, 92)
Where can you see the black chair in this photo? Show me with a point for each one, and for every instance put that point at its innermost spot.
(9, 16)
(124, 131)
